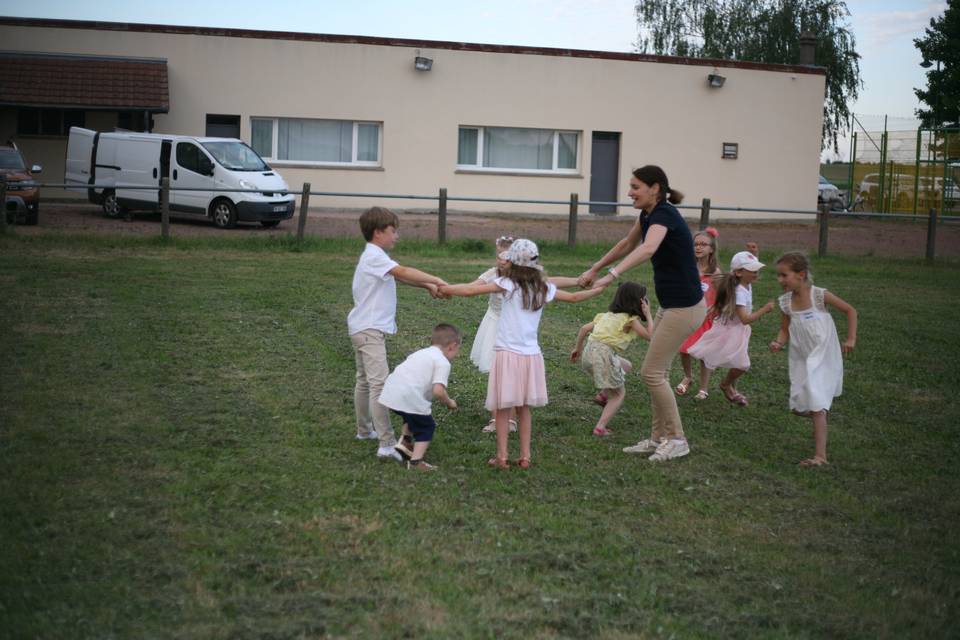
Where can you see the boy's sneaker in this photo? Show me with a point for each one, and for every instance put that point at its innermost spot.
(420, 466)
(644, 446)
(368, 436)
(670, 449)
(404, 449)
(389, 453)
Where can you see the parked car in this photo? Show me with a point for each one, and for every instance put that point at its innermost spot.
(22, 203)
(901, 187)
(127, 167)
(828, 193)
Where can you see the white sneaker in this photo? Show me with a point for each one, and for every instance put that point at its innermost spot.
(670, 449)
(389, 453)
(368, 436)
(644, 446)
(490, 427)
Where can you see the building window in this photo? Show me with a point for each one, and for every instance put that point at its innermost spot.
(518, 149)
(48, 122)
(314, 141)
(730, 150)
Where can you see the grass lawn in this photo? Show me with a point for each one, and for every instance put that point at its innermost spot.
(178, 461)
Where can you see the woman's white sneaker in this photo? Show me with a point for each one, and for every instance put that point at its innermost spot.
(670, 449)
(644, 446)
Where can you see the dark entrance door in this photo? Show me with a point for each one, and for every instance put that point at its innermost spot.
(221, 126)
(604, 169)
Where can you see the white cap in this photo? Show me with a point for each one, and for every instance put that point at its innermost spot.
(745, 260)
(523, 253)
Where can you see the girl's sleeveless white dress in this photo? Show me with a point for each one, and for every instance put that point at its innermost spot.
(816, 362)
(482, 352)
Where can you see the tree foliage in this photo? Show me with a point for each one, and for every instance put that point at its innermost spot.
(940, 48)
(760, 31)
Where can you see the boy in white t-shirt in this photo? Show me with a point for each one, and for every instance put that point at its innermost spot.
(413, 386)
(373, 317)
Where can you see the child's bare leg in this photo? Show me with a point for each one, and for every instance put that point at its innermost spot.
(704, 377)
(615, 399)
(819, 440)
(526, 425)
(420, 449)
(687, 380)
(503, 431)
(729, 382)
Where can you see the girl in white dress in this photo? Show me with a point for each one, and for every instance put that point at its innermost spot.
(482, 352)
(726, 344)
(816, 362)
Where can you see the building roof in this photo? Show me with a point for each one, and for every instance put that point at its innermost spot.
(404, 42)
(86, 82)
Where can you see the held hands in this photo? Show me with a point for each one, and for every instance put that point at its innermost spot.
(776, 346)
(767, 308)
(586, 278)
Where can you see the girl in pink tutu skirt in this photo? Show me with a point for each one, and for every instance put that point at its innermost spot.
(726, 343)
(517, 376)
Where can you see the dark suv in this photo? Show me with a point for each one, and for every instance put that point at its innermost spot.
(23, 196)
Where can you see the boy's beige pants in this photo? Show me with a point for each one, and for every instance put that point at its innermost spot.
(370, 349)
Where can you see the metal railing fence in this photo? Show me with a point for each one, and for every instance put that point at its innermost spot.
(442, 198)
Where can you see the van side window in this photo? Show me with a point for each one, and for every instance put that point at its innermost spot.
(188, 156)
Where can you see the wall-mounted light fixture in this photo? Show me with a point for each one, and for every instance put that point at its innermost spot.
(715, 80)
(422, 64)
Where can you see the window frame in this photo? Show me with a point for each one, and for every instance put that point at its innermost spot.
(556, 170)
(354, 151)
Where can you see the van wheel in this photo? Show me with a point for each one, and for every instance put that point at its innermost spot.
(111, 207)
(269, 224)
(224, 214)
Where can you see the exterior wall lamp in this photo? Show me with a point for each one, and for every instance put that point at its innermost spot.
(421, 63)
(715, 80)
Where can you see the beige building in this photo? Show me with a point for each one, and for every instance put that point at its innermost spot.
(377, 115)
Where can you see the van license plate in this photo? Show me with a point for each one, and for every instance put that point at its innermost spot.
(280, 209)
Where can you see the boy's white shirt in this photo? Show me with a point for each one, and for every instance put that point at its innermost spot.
(410, 387)
(374, 293)
(517, 329)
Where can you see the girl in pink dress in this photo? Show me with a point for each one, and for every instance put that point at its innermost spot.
(517, 377)
(726, 343)
(705, 249)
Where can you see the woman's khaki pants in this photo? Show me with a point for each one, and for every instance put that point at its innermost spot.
(670, 328)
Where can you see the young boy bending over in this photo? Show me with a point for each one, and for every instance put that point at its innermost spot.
(413, 386)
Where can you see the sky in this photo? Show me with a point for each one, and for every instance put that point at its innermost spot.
(884, 29)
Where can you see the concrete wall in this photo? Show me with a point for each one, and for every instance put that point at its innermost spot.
(666, 113)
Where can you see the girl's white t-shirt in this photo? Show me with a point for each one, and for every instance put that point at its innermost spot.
(517, 329)
(745, 297)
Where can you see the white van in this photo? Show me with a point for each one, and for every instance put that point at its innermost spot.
(127, 167)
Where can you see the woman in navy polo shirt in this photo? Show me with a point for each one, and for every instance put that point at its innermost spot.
(662, 236)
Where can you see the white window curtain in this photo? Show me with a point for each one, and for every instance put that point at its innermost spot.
(262, 137)
(315, 140)
(368, 142)
(515, 148)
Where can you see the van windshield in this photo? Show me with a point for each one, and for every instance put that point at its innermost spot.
(236, 156)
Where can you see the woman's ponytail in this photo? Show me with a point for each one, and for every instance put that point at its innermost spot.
(675, 197)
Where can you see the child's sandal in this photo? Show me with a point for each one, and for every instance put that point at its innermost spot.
(498, 463)
(701, 395)
(523, 463)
